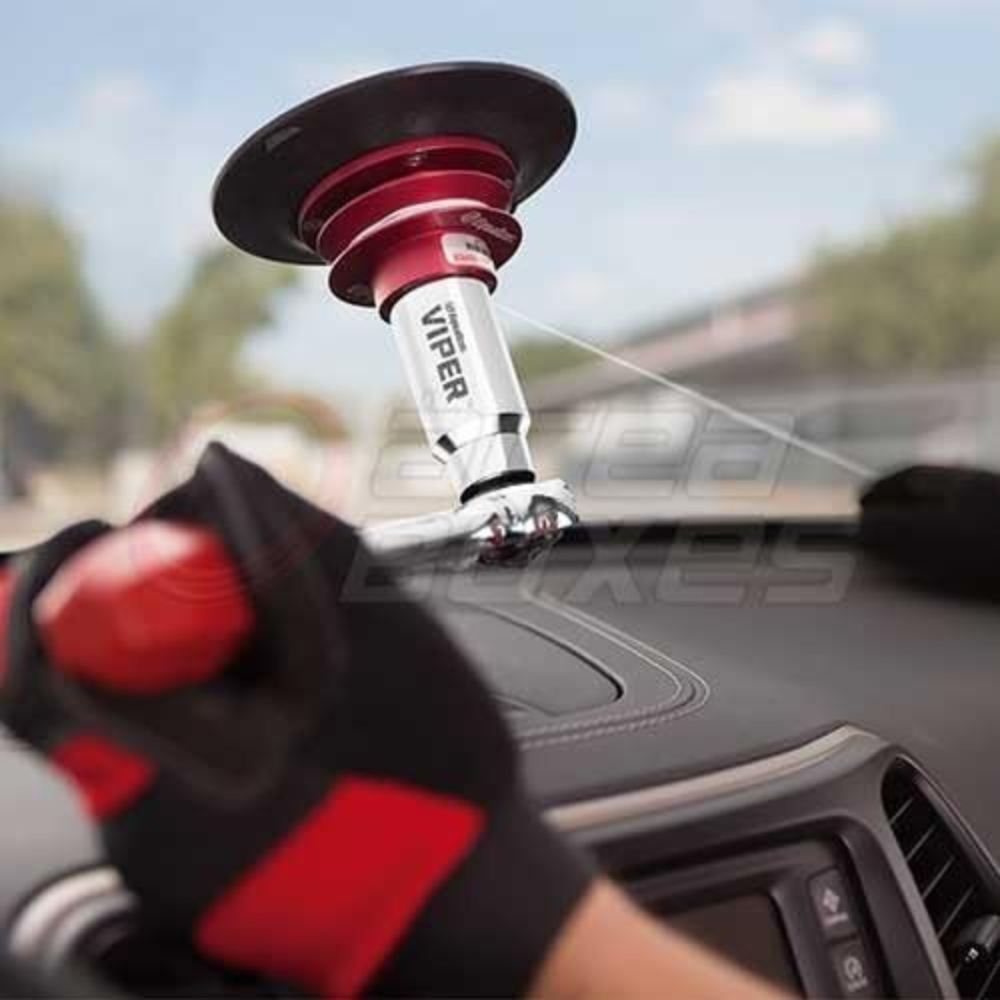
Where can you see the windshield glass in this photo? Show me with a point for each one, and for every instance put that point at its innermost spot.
(768, 271)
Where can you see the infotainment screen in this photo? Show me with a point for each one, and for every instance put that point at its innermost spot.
(748, 931)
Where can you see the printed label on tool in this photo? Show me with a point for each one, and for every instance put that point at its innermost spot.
(446, 342)
(466, 251)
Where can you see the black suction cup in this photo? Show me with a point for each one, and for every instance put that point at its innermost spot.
(262, 186)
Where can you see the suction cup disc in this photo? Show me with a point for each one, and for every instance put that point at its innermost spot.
(262, 186)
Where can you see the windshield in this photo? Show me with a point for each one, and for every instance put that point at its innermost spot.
(768, 271)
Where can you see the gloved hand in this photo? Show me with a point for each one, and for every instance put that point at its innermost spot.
(341, 806)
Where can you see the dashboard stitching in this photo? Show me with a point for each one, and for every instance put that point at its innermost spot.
(557, 640)
(611, 723)
(673, 704)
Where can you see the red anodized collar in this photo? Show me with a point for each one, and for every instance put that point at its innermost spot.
(410, 213)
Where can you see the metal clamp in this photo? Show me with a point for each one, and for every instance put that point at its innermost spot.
(504, 527)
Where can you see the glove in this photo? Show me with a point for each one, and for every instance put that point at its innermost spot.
(340, 807)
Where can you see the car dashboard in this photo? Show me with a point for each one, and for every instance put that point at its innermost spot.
(772, 741)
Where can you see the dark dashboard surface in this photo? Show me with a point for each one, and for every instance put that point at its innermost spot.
(727, 645)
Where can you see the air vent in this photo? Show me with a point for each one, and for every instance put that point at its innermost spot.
(958, 899)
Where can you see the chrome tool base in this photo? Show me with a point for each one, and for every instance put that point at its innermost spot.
(504, 527)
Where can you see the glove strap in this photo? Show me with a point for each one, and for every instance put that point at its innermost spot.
(352, 877)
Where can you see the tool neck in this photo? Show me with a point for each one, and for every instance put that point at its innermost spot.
(464, 383)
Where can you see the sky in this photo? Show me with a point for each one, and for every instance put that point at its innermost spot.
(720, 142)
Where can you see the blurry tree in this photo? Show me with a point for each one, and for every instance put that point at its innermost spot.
(536, 357)
(70, 389)
(61, 376)
(193, 354)
(923, 295)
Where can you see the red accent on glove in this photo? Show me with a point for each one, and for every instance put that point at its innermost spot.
(6, 594)
(144, 610)
(348, 881)
(108, 777)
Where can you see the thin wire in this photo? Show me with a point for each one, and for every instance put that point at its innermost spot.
(747, 419)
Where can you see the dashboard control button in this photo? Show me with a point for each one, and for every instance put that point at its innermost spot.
(832, 905)
(854, 969)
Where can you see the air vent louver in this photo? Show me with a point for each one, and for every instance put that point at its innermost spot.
(956, 896)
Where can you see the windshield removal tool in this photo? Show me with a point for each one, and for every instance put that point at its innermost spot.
(405, 184)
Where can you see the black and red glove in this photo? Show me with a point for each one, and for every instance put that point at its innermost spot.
(340, 807)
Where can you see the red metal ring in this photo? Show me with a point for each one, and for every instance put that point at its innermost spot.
(381, 203)
(362, 274)
(400, 160)
(381, 220)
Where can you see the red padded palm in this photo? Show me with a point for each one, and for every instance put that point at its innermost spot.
(146, 609)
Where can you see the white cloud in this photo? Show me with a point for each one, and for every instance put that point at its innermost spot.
(833, 43)
(622, 104)
(734, 16)
(115, 97)
(580, 290)
(765, 106)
